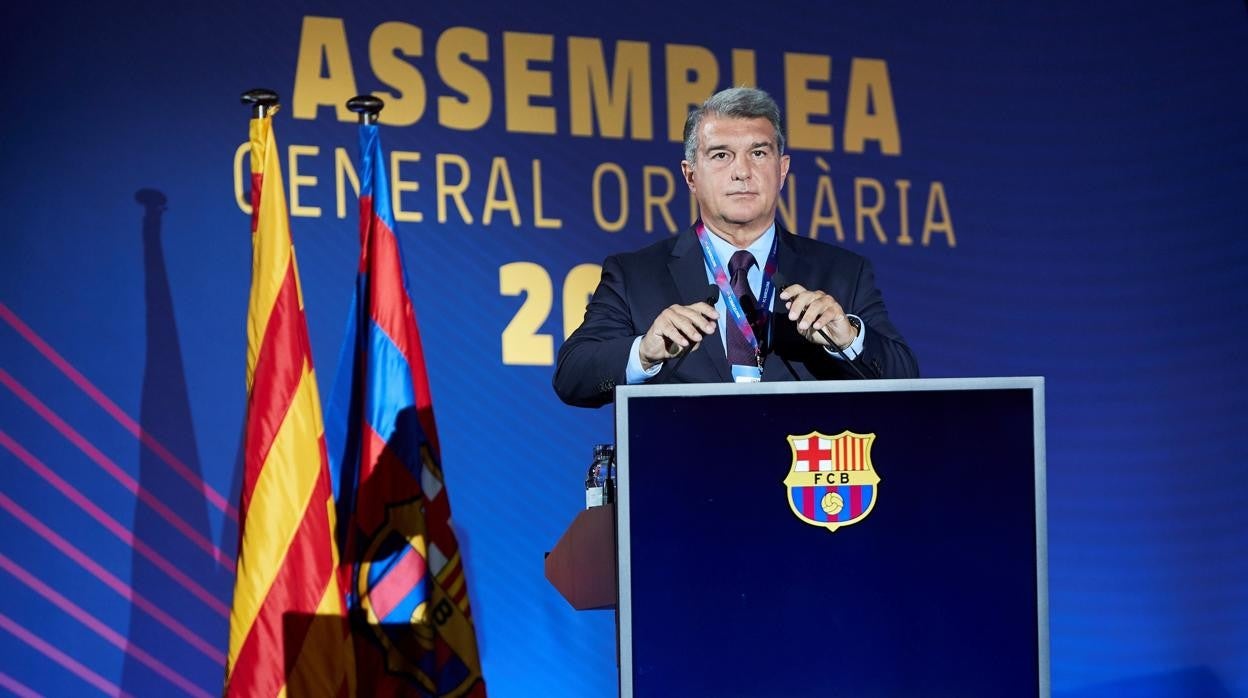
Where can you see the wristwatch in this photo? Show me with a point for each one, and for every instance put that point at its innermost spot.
(857, 325)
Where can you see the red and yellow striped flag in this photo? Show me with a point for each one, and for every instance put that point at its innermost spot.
(288, 634)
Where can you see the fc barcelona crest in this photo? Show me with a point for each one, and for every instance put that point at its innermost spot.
(832, 481)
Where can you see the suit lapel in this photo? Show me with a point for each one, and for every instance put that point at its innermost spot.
(688, 272)
(784, 335)
(787, 260)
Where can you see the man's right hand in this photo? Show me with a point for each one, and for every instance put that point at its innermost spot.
(677, 330)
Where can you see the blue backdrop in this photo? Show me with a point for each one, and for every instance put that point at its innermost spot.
(1053, 190)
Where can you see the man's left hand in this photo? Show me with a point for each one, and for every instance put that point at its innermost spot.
(816, 310)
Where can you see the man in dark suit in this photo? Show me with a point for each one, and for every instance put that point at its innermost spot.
(654, 308)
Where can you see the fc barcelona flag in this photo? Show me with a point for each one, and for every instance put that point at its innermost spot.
(288, 634)
(406, 590)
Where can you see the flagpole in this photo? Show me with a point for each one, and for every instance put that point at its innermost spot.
(368, 107)
(264, 102)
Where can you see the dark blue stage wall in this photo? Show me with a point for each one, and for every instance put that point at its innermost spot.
(1058, 190)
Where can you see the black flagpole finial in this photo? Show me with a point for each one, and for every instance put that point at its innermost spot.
(263, 101)
(367, 106)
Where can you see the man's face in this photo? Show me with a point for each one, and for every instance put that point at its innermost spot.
(737, 175)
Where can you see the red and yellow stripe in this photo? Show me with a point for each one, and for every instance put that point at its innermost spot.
(287, 629)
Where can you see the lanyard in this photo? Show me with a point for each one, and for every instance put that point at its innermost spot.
(730, 298)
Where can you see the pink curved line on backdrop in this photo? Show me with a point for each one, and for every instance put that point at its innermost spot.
(115, 471)
(18, 688)
(97, 626)
(111, 581)
(112, 524)
(117, 413)
(61, 658)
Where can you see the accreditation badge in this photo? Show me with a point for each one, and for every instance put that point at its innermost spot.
(746, 374)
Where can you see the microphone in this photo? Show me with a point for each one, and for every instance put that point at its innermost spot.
(712, 294)
(781, 283)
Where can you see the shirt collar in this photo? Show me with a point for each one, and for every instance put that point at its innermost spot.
(760, 248)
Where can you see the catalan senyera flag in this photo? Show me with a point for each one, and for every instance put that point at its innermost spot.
(288, 633)
(402, 569)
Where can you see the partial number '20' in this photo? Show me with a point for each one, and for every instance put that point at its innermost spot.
(523, 344)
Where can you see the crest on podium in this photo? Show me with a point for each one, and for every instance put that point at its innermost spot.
(832, 481)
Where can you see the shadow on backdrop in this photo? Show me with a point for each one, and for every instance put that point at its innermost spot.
(165, 414)
(329, 631)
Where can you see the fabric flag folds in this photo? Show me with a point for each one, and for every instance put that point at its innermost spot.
(288, 633)
(406, 591)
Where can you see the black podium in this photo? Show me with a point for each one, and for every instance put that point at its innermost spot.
(881, 538)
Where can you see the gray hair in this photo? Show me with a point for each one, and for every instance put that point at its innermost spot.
(734, 103)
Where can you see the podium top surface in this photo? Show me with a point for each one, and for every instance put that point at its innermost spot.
(623, 392)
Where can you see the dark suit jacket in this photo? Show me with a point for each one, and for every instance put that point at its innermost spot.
(637, 286)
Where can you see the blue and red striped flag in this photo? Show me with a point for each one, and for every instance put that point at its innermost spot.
(405, 583)
(288, 635)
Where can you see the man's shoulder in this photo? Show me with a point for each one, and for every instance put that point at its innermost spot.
(654, 253)
(661, 251)
(808, 247)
